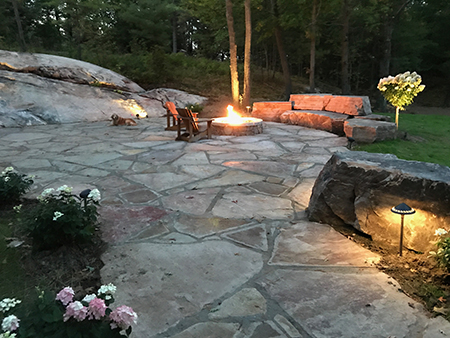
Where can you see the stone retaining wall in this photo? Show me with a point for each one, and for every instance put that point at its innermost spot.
(341, 115)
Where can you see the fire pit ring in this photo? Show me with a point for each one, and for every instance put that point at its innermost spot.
(247, 126)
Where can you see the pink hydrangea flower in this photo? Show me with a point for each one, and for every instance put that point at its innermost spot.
(97, 308)
(123, 317)
(75, 310)
(65, 295)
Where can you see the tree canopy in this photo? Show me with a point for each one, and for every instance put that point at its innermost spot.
(348, 44)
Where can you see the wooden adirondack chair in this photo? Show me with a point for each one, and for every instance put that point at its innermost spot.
(193, 132)
(172, 116)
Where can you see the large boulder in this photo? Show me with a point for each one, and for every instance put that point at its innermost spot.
(369, 130)
(359, 189)
(348, 105)
(310, 101)
(270, 111)
(322, 120)
(39, 89)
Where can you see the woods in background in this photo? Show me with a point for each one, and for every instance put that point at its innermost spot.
(349, 44)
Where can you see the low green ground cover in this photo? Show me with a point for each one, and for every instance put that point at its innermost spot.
(428, 139)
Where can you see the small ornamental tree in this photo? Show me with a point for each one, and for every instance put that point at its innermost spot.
(401, 90)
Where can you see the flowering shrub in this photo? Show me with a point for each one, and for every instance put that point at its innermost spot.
(62, 218)
(13, 185)
(442, 255)
(64, 317)
(401, 90)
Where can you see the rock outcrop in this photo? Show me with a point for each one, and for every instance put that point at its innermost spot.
(359, 189)
(45, 89)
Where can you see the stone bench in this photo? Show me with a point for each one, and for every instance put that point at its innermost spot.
(359, 189)
(341, 115)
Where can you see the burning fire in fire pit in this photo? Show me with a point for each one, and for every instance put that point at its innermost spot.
(234, 124)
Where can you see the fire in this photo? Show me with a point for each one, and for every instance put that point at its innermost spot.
(233, 117)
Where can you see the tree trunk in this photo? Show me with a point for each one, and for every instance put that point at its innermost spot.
(247, 56)
(345, 78)
(312, 58)
(284, 64)
(233, 54)
(22, 44)
(282, 53)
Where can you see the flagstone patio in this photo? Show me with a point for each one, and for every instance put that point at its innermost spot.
(210, 239)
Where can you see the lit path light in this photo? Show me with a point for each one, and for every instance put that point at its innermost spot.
(402, 209)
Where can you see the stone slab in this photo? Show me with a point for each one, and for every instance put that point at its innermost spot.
(205, 226)
(267, 168)
(254, 237)
(123, 222)
(306, 243)
(270, 111)
(349, 105)
(194, 202)
(321, 120)
(369, 131)
(352, 305)
(166, 282)
(238, 205)
(310, 101)
(247, 302)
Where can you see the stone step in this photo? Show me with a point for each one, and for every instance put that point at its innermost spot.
(322, 120)
(369, 131)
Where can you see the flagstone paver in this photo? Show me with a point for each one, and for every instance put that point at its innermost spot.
(210, 239)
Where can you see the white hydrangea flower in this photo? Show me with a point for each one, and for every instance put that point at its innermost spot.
(88, 298)
(8, 303)
(57, 215)
(7, 170)
(65, 188)
(7, 179)
(10, 323)
(440, 232)
(95, 195)
(109, 289)
(47, 192)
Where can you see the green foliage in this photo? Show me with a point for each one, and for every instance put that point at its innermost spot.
(62, 218)
(401, 89)
(442, 255)
(195, 107)
(428, 139)
(13, 185)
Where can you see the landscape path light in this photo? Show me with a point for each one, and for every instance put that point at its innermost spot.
(402, 209)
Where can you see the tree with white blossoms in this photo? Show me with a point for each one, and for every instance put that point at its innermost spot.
(401, 90)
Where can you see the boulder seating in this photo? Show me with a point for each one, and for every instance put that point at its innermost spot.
(341, 115)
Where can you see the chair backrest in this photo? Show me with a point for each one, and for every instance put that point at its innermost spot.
(171, 108)
(188, 117)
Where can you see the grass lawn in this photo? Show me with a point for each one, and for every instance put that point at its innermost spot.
(428, 139)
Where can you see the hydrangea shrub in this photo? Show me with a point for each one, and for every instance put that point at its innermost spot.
(64, 317)
(62, 218)
(13, 185)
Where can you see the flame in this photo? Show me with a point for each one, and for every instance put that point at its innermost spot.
(233, 117)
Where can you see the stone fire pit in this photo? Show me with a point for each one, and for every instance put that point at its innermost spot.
(247, 126)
